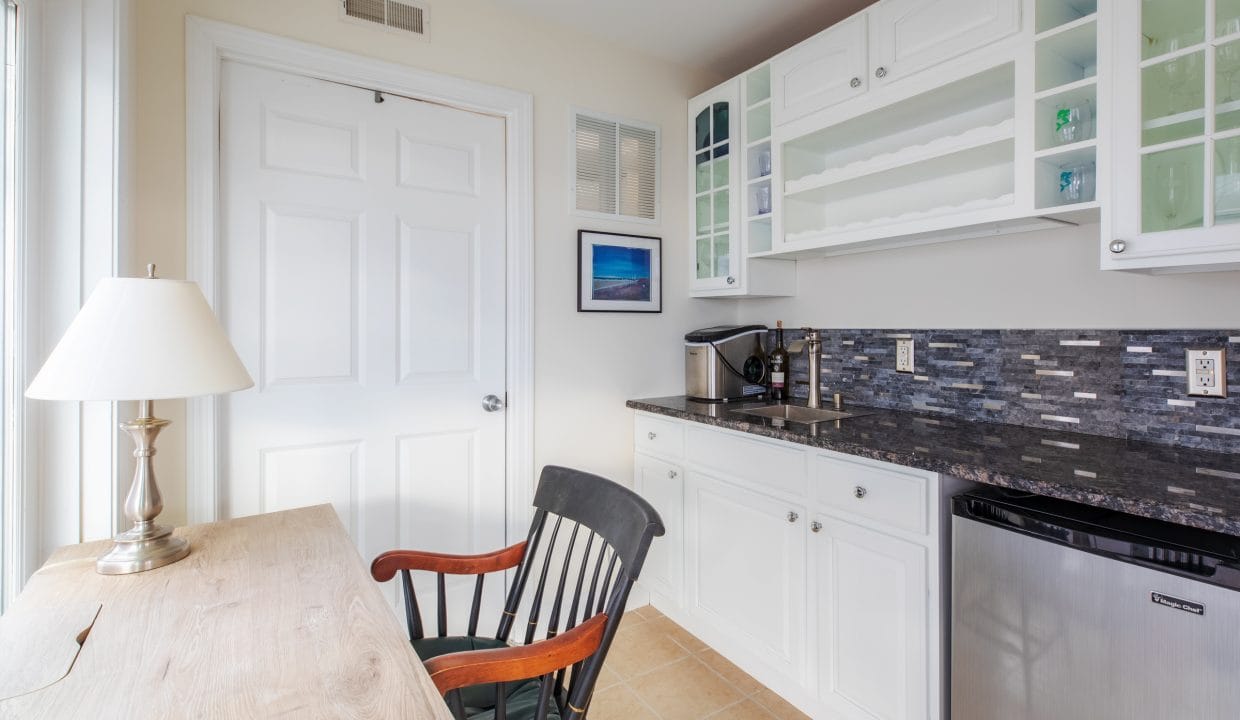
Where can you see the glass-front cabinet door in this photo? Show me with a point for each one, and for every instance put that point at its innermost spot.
(713, 123)
(1177, 135)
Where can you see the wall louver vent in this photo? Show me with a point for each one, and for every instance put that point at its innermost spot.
(616, 163)
(406, 16)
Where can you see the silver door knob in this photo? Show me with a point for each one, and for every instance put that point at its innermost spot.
(859, 492)
(815, 526)
(671, 474)
(492, 403)
(1118, 246)
(854, 83)
(792, 517)
(731, 280)
(651, 436)
(880, 73)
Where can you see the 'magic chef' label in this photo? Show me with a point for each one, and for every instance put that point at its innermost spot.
(1177, 604)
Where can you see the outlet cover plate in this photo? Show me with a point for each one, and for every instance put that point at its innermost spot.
(904, 355)
(1207, 372)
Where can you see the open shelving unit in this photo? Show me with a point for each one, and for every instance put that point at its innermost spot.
(1065, 76)
(944, 152)
(759, 192)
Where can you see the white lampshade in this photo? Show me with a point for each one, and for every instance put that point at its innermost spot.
(141, 339)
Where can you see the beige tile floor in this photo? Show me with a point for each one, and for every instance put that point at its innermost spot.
(656, 670)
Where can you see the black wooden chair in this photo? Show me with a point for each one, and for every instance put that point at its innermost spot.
(585, 561)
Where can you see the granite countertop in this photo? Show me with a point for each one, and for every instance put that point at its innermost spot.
(1189, 487)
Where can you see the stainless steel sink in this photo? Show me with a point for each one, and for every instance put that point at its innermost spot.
(800, 413)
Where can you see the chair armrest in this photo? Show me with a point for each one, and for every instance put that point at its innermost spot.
(386, 565)
(475, 667)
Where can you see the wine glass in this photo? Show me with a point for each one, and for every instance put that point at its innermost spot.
(1172, 183)
(1180, 72)
(1228, 62)
(1227, 180)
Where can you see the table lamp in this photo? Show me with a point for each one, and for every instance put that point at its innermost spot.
(142, 339)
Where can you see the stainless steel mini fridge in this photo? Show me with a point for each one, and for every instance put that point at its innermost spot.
(1066, 612)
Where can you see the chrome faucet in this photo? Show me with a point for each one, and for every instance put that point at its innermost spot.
(813, 343)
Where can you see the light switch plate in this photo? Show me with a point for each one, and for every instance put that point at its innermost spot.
(904, 355)
(1207, 372)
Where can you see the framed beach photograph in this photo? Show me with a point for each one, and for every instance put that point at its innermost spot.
(619, 273)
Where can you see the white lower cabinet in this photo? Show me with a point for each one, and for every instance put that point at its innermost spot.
(872, 621)
(662, 484)
(746, 568)
(820, 574)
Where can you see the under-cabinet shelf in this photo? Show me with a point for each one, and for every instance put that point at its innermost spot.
(1066, 55)
(1069, 152)
(1088, 83)
(1052, 14)
(970, 206)
(1067, 27)
(939, 148)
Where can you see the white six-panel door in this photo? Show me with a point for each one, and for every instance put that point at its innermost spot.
(363, 252)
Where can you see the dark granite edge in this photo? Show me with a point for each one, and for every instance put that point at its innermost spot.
(1131, 504)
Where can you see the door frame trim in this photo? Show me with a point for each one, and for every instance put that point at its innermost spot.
(208, 44)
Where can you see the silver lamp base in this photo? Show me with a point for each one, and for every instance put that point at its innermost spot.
(146, 545)
(133, 553)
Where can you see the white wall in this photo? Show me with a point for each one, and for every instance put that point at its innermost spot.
(1045, 279)
(587, 365)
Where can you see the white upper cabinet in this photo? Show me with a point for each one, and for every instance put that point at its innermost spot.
(910, 35)
(734, 205)
(822, 71)
(714, 126)
(1177, 137)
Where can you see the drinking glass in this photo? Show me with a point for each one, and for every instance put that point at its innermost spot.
(1180, 72)
(1227, 63)
(1227, 180)
(1172, 183)
(764, 162)
(762, 199)
(1074, 121)
(1076, 183)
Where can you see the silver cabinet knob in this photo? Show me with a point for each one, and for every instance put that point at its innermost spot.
(792, 517)
(854, 83)
(859, 492)
(492, 403)
(815, 526)
(880, 73)
(651, 436)
(671, 474)
(1118, 246)
(731, 280)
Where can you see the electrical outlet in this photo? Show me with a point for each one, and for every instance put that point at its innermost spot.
(1207, 372)
(904, 355)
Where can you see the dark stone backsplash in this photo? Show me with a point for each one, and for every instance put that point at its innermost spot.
(1116, 383)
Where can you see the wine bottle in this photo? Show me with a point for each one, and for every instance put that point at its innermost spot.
(779, 365)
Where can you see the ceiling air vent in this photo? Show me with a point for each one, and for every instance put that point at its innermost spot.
(406, 16)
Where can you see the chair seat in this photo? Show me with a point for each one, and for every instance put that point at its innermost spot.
(479, 700)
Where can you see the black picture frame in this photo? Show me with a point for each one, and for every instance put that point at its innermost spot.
(637, 285)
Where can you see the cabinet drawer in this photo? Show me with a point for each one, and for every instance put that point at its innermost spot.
(891, 496)
(656, 436)
(733, 455)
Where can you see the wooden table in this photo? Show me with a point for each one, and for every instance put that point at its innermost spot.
(270, 616)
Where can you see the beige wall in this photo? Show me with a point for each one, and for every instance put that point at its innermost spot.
(1046, 279)
(586, 364)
